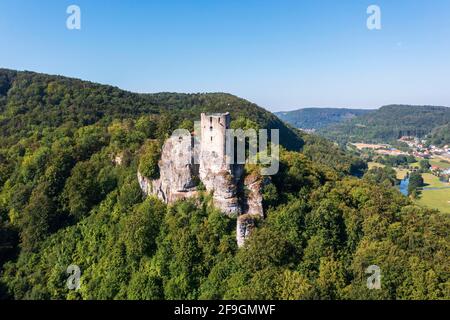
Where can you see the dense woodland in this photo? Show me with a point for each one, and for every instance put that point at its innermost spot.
(318, 118)
(388, 124)
(440, 136)
(64, 199)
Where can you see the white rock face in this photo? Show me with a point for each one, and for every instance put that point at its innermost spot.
(254, 201)
(179, 178)
(253, 204)
(246, 223)
(177, 174)
(145, 184)
(224, 189)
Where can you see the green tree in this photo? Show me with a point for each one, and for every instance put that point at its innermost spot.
(148, 163)
(415, 182)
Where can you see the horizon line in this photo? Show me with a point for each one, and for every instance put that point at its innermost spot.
(217, 92)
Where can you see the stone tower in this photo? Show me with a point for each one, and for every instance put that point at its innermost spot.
(216, 173)
(213, 143)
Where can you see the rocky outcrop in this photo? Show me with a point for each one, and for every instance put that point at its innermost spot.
(121, 158)
(253, 206)
(145, 184)
(177, 173)
(224, 190)
(118, 159)
(180, 175)
(254, 200)
(246, 223)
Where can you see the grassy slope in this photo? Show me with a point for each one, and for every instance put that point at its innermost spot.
(436, 199)
(439, 163)
(432, 181)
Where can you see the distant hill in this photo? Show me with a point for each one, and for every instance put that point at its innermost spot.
(389, 123)
(317, 118)
(29, 100)
(440, 136)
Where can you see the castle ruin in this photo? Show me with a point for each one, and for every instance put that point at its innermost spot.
(185, 161)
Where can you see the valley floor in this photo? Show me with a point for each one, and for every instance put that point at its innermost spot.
(436, 194)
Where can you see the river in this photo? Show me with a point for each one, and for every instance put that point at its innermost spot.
(404, 186)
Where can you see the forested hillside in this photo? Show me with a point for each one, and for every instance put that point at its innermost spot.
(317, 118)
(389, 123)
(69, 154)
(38, 100)
(440, 136)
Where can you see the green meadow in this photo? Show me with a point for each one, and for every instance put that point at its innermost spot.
(436, 199)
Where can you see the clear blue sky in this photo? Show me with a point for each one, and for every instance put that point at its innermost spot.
(279, 54)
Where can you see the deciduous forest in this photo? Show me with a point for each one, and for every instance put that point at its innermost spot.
(69, 195)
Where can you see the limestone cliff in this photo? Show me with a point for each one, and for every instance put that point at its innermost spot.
(177, 173)
(246, 223)
(253, 207)
(180, 175)
(179, 179)
(254, 201)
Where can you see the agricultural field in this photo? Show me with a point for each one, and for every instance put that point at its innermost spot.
(415, 165)
(431, 181)
(443, 164)
(401, 173)
(436, 199)
(372, 165)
